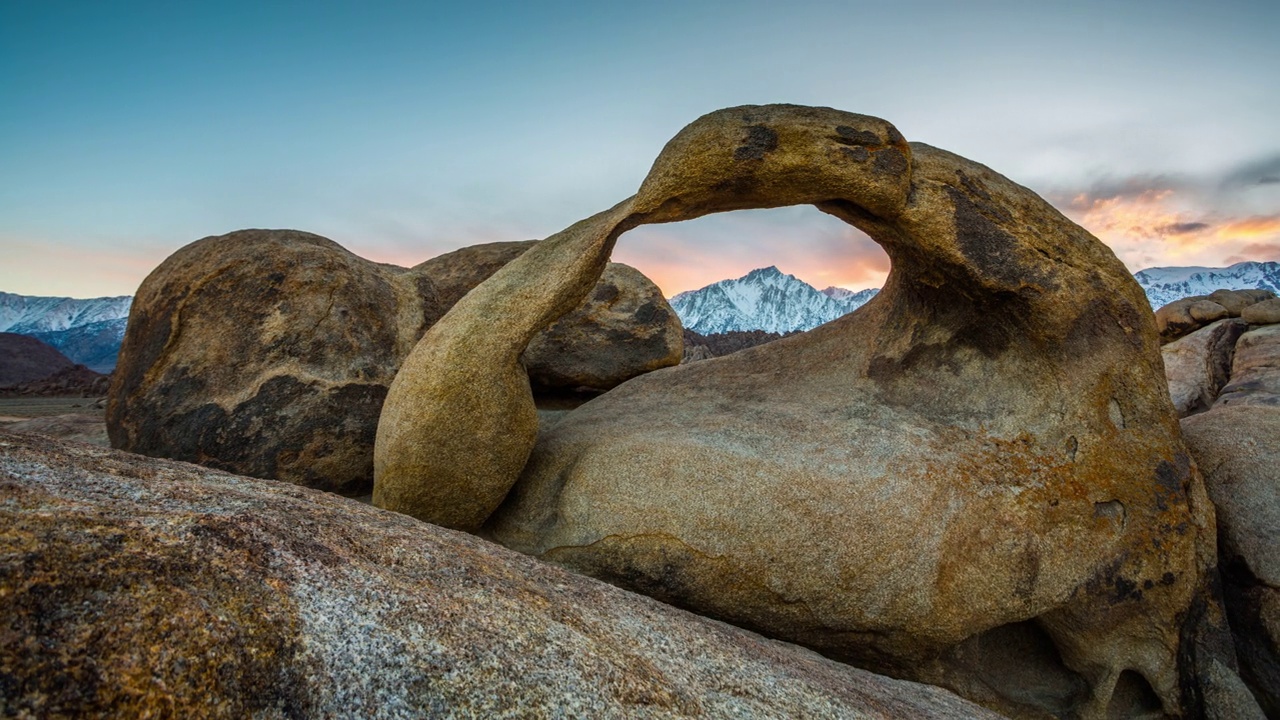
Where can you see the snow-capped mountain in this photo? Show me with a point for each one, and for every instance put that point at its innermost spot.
(769, 300)
(1163, 285)
(25, 314)
(764, 299)
(87, 331)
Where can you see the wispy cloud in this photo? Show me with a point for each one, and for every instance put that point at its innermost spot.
(1161, 220)
(1264, 171)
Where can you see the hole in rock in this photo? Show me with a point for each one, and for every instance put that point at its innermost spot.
(1020, 665)
(1133, 698)
(781, 271)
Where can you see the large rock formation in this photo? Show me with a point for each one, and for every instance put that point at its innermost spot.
(978, 471)
(269, 352)
(132, 587)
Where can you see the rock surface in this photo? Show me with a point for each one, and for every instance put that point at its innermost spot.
(133, 587)
(1238, 449)
(624, 329)
(985, 453)
(269, 352)
(1237, 301)
(1185, 316)
(1198, 365)
(1255, 370)
(1266, 312)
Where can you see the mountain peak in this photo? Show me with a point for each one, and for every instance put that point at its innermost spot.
(763, 299)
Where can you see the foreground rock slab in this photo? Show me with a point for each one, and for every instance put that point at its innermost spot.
(132, 587)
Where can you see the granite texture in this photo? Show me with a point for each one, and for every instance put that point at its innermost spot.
(136, 587)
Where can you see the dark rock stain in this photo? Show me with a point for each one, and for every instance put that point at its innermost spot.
(990, 248)
(846, 135)
(890, 161)
(760, 141)
(857, 154)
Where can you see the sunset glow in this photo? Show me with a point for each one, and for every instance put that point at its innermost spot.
(407, 130)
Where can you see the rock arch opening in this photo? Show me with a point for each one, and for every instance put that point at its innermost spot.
(746, 277)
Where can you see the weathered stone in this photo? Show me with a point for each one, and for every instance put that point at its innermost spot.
(1187, 315)
(1199, 364)
(453, 274)
(624, 329)
(1235, 301)
(985, 450)
(1238, 449)
(1266, 312)
(133, 587)
(1255, 370)
(269, 352)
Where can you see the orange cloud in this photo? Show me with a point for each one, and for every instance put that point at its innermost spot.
(1146, 216)
(1262, 252)
(1251, 228)
(1158, 226)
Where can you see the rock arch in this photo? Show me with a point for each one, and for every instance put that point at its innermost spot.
(988, 442)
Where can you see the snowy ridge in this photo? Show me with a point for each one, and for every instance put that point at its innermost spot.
(1163, 285)
(26, 314)
(88, 332)
(769, 300)
(764, 299)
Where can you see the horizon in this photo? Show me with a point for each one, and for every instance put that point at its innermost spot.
(403, 132)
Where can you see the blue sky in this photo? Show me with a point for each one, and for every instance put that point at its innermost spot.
(403, 130)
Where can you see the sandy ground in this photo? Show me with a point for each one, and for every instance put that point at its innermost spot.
(14, 409)
(69, 418)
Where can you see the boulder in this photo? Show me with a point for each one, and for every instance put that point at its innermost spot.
(1187, 315)
(1235, 301)
(1238, 448)
(975, 479)
(1255, 370)
(135, 587)
(624, 329)
(1266, 312)
(454, 273)
(1199, 364)
(269, 352)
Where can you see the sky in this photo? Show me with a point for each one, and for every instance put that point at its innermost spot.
(403, 130)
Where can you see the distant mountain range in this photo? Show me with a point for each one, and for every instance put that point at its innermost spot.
(769, 300)
(1166, 284)
(88, 332)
